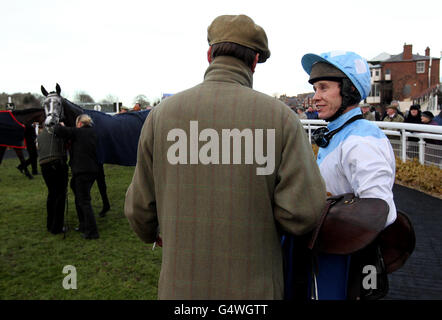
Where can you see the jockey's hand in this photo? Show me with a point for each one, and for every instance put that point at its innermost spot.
(62, 124)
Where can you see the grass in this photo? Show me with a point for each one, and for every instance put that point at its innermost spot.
(116, 266)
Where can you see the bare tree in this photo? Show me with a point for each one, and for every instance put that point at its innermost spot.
(21, 100)
(32, 100)
(109, 99)
(142, 100)
(83, 97)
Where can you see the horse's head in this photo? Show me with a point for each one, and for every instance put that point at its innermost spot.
(53, 105)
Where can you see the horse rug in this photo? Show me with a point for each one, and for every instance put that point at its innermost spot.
(12, 132)
(118, 136)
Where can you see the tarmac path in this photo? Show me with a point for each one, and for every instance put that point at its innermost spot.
(421, 276)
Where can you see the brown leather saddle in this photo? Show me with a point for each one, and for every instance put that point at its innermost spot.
(397, 242)
(349, 224)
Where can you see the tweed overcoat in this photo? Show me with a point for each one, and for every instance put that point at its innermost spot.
(221, 223)
(397, 118)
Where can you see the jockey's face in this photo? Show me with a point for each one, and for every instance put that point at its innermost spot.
(327, 98)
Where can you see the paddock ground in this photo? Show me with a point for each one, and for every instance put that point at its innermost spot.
(421, 277)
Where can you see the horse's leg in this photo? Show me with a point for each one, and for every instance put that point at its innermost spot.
(31, 137)
(22, 166)
(33, 155)
(101, 183)
(2, 153)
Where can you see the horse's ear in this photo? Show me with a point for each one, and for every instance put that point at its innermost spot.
(43, 90)
(58, 89)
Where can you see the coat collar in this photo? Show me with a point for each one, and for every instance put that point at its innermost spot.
(229, 69)
(343, 118)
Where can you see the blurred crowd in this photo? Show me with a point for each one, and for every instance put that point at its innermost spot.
(392, 113)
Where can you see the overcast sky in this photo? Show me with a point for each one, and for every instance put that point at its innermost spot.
(127, 48)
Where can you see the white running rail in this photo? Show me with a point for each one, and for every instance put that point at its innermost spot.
(425, 143)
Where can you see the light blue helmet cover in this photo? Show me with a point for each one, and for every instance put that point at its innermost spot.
(352, 64)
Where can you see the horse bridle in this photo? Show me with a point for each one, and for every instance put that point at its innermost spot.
(51, 110)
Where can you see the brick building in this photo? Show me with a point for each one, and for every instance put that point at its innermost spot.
(301, 100)
(405, 77)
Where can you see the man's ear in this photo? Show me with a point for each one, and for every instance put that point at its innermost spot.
(255, 62)
(209, 55)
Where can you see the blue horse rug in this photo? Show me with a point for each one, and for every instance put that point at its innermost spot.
(12, 132)
(118, 136)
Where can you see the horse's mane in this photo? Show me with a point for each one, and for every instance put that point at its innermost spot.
(27, 111)
(72, 105)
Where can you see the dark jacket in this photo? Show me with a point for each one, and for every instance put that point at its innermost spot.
(311, 115)
(410, 119)
(83, 148)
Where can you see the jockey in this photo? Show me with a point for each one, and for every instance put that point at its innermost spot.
(354, 156)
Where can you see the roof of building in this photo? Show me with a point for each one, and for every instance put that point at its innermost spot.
(381, 57)
(415, 57)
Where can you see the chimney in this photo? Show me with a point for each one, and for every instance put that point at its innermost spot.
(407, 55)
(427, 52)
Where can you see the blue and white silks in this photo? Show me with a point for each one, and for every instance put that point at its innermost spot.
(359, 160)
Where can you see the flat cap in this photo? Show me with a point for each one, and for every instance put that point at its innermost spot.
(239, 29)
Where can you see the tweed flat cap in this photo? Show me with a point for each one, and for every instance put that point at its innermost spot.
(323, 70)
(239, 29)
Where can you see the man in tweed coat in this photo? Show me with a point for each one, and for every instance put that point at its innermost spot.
(222, 172)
